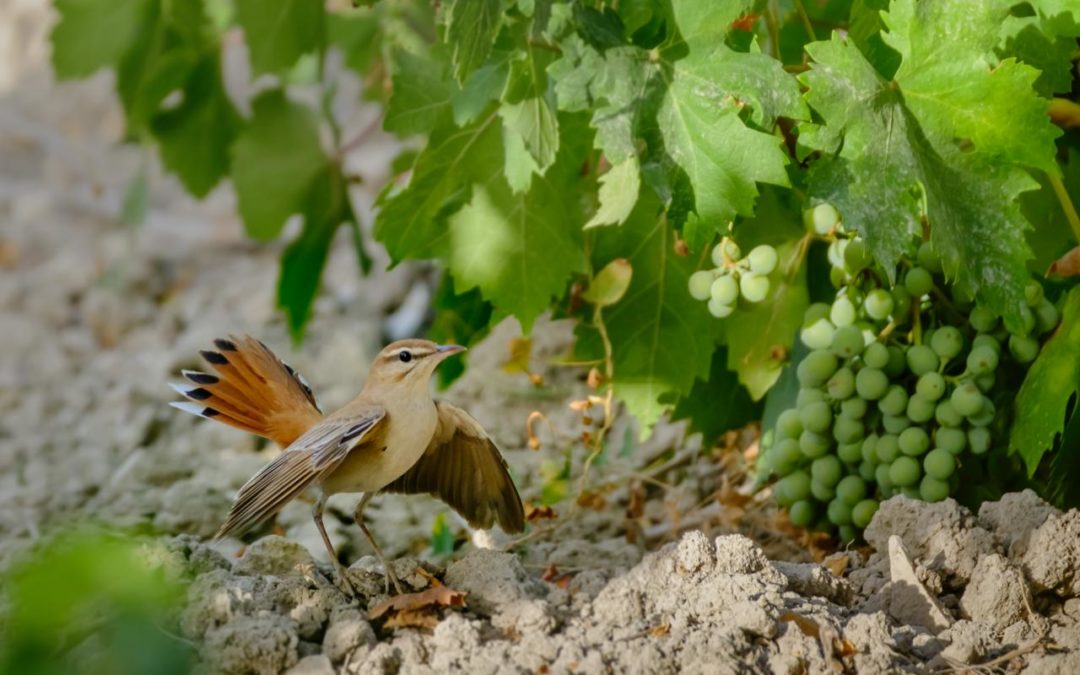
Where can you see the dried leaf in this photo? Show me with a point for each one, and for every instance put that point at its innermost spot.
(520, 352)
(807, 625)
(550, 572)
(1067, 265)
(594, 379)
(660, 630)
(425, 617)
(537, 513)
(635, 508)
(435, 596)
(836, 563)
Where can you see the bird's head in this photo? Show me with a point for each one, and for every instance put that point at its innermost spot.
(408, 363)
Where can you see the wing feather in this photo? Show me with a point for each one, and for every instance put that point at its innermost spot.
(463, 468)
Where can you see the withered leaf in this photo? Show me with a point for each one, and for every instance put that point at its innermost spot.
(1066, 266)
(436, 596)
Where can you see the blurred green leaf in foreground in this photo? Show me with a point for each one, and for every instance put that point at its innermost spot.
(89, 604)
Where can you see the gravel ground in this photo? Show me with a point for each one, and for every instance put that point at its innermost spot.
(647, 575)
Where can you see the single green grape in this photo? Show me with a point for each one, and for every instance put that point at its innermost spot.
(987, 341)
(816, 416)
(718, 310)
(846, 534)
(788, 424)
(717, 255)
(818, 310)
(853, 408)
(920, 409)
(822, 492)
(836, 253)
(913, 441)
(851, 489)
(1023, 348)
(939, 464)
(887, 449)
(922, 359)
(818, 334)
(918, 282)
(842, 312)
(933, 490)
(827, 470)
(876, 355)
(981, 360)
(979, 440)
(786, 456)
(814, 445)
(901, 304)
(967, 399)
(837, 277)
(839, 512)
(946, 414)
(1027, 320)
(802, 513)
(856, 257)
(866, 471)
(985, 417)
(847, 342)
(808, 395)
(724, 290)
(850, 453)
(753, 287)
(985, 382)
(947, 342)
(700, 284)
(863, 512)
(816, 368)
(1046, 317)
(871, 383)
(931, 386)
(928, 258)
(841, 385)
(878, 304)
(881, 477)
(1033, 293)
(905, 471)
(847, 430)
(824, 218)
(950, 440)
(897, 362)
(868, 450)
(762, 259)
(792, 488)
(894, 424)
(731, 249)
(911, 492)
(982, 319)
(895, 400)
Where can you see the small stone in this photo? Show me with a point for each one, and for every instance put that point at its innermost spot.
(316, 664)
(492, 579)
(265, 645)
(275, 556)
(997, 594)
(735, 554)
(349, 630)
(908, 600)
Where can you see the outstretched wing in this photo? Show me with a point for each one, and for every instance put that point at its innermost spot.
(463, 468)
(251, 389)
(307, 461)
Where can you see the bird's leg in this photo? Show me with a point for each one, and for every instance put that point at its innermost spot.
(358, 515)
(342, 577)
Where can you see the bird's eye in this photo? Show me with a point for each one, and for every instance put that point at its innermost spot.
(405, 356)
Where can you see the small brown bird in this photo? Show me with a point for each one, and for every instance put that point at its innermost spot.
(393, 437)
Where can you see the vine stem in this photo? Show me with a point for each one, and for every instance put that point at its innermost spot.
(609, 413)
(1066, 204)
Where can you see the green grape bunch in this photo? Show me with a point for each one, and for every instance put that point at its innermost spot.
(734, 277)
(897, 392)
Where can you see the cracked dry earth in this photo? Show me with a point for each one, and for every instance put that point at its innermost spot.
(97, 318)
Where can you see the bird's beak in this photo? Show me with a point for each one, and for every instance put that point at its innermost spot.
(448, 350)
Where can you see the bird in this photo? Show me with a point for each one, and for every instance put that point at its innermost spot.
(392, 437)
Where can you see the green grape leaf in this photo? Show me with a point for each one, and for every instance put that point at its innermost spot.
(276, 159)
(356, 34)
(1052, 381)
(1051, 236)
(618, 193)
(518, 249)
(422, 93)
(718, 404)
(661, 338)
(92, 34)
(278, 32)
(408, 222)
(460, 319)
(528, 113)
(195, 137)
(881, 188)
(482, 87)
(326, 206)
(1031, 40)
(471, 29)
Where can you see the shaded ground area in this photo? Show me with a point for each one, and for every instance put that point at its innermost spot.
(96, 319)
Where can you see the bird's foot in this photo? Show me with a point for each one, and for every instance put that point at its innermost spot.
(391, 578)
(344, 584)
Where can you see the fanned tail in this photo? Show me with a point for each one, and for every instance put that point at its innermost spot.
(250, 389)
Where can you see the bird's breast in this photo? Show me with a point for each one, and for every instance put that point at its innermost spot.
(385, 455)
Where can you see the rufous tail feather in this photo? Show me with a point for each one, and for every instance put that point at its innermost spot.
(250, 389)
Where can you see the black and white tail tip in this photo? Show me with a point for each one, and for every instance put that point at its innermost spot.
(194, 394)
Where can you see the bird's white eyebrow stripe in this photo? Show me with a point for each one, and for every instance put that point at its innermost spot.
(416, 351)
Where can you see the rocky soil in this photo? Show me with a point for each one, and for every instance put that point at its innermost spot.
(652, 572)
